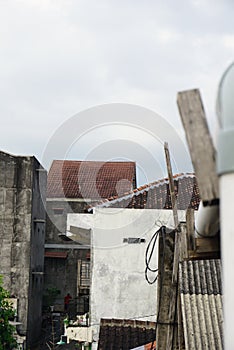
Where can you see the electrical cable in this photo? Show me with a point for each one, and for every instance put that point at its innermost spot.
(148, 256)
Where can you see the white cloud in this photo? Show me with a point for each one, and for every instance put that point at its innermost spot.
(228, 41)
(58, 57)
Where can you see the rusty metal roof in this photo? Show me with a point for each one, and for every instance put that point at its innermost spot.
(90, 179)
(201, 303)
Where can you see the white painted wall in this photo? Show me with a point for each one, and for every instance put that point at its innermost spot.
(119, 288)
(227, 244)
(78, 333)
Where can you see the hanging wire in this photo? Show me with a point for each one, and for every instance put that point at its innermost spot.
(148, 256)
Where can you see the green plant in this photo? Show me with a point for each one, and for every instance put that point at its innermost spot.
(7, 340)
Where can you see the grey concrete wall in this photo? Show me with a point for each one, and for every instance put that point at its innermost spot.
(7, 216)
(15, 188)
(38, 226)
(20, 249)
(57, 223)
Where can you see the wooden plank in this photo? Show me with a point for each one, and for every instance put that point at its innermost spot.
(171, 185)
(173, 297)
(164, 287)
(200, 143)
(207, 245)
(172, 331)
(206, 255)
(175, 213)
(190, 223)
(174, 336)
(183, 243)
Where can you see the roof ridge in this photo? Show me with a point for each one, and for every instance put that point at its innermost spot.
(137, 191)
(93, 161)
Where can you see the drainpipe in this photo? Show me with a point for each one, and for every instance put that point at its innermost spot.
(225, 167)
(207, 220)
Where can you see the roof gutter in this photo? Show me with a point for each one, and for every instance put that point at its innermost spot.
(207, 219)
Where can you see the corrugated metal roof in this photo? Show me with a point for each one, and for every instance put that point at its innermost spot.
(201, 303)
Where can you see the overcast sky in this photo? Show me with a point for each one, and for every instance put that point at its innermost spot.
(61, 57)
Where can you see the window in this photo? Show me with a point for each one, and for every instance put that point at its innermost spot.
(83, 274)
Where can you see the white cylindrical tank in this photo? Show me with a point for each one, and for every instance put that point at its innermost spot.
(207, 220)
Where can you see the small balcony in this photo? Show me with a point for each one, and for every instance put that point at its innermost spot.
(79, 329)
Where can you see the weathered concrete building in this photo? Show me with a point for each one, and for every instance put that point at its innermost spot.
(119, 241)
(22, 235)
(121, 231)
(72, 186)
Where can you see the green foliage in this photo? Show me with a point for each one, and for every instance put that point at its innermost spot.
(7, 313)
(66, 321)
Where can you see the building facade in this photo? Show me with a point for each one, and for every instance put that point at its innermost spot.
(121, 230)
(119, 240)
(22, 235)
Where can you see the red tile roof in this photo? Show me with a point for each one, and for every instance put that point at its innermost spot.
(118, 334)
(156, 195)
(90, 179)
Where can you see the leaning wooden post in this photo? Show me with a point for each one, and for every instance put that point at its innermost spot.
(190, 229)
(201, 148)
(165, 267)
(173, 299)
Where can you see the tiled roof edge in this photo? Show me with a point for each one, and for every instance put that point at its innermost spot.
(127, 322)
(145, 188)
